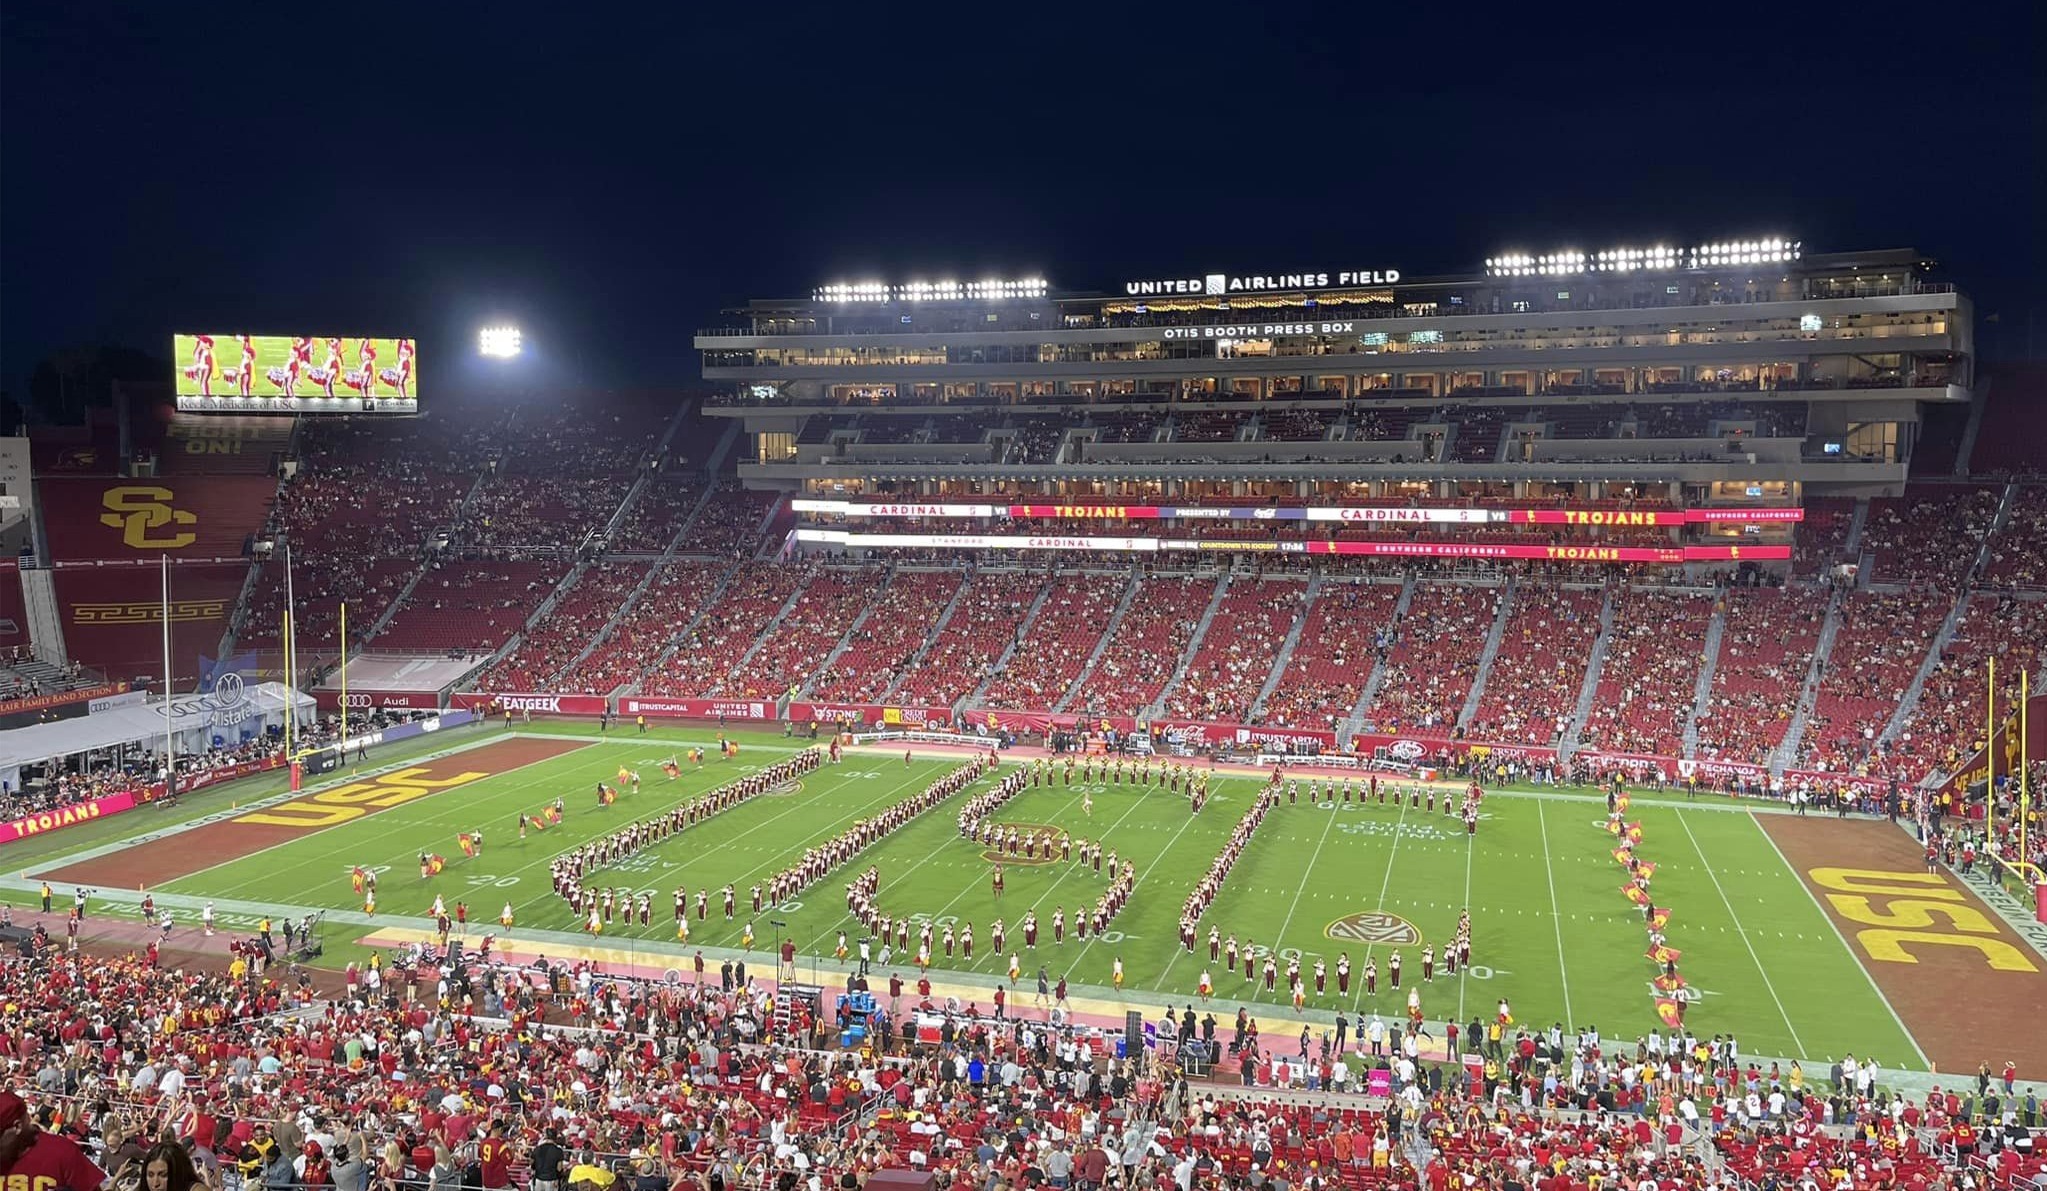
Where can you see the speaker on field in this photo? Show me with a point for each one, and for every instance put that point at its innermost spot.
(1133, 1040)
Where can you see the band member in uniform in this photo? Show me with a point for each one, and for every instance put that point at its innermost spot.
(1429, 963)
(1343, 974)
(1371, 977)
(998, 882)
(1393, 970)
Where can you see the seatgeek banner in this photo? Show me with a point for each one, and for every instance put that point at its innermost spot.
(1589, 552)
(1367, 515)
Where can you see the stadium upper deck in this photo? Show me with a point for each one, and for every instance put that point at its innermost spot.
(1725, 363)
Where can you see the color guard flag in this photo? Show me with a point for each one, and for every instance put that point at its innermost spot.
(1663, 953)
(1659, 917)
(356, 877)
(1621, 857)
(1620, 802)
(1633, 893)
(467, 845)
(554, 814)
(1670, 983)
(435, 863)
(1613, 826)
(1634, 833)
(1671, 1011)
(1646, 869)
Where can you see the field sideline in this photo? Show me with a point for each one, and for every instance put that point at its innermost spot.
(1552, 933)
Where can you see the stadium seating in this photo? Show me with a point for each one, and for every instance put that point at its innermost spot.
(1433, 660)
(468, 606)
(1766, 649)
(1058, 642)
(2012, 436)
(1881, 643)
(638, 637)
(726, 629)
(1237, 653)
(825, 608)
(658, 514)
(1930, 534)
(1533, 684)
(2018, 552)
(901, 616)
(548, 647)
(1339, 644)
(1146, 646)
(1823, 535)
(729, 525)
(990, 615)
(1651, 673)
(1949, 717)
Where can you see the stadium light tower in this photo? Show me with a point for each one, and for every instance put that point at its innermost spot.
(499, 343)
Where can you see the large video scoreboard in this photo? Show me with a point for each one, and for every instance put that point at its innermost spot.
(296, 374)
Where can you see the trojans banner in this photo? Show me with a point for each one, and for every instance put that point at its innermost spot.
(1365, 514)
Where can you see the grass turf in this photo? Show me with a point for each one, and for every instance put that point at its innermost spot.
(1551, 931)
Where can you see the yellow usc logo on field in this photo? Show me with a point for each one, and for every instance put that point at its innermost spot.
(139, 510)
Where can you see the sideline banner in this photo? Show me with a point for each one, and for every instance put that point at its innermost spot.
(56, 820)
(666, 707)
(370, 700)
(876, 714)
(488, 703)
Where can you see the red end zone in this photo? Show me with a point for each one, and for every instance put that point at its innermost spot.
(1967, 988)
(187, 852)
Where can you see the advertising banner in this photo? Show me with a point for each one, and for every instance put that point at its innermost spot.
(667, 707)
(488, 703)
(873, 714)
(1356, 514)
(2006, 741)
(83, 812)
(1589, 552)
(235, 373)
(370, 700)
(1246, 736)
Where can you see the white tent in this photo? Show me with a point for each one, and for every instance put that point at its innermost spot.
(232, 713)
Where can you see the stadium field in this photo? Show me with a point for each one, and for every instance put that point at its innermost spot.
(1552, 932)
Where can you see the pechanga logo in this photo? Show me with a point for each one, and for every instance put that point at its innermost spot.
(346, 803)
(138, 510)
(1374, 926)
(1407, 750)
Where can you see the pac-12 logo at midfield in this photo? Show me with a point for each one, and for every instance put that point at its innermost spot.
(138, 510)
(1374, 926)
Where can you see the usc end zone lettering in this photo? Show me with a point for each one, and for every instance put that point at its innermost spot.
(330, 808)
(1906, 918)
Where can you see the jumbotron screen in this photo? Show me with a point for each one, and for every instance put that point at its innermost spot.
(294, 374)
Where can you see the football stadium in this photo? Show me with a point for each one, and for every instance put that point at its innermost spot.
(1566, 721)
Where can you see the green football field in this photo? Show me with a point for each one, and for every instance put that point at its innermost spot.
(1551, 930)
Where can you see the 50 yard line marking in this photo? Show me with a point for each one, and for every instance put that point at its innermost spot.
(1392, 852)
(1743, 932)
(1556, 914)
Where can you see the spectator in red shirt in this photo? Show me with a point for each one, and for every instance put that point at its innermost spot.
(495, 1153)
(41, 1159)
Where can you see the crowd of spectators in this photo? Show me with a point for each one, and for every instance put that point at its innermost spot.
(1433, 658)
(1052, 649)
(557, 1075)
(672, 599)
(1532, 686)
(1349, 627)
(905, 612)
(1146, 645)
(547, 649)
(1881, 642)
(1766, 650)
(989, 616)
(1649, 680)
(1238, 652)
(824, 609)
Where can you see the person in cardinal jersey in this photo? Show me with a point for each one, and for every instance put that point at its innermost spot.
(31, 1158)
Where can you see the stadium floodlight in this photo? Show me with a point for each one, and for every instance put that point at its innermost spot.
(499, 343)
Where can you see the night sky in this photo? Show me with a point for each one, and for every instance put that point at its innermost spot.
(611, 180)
